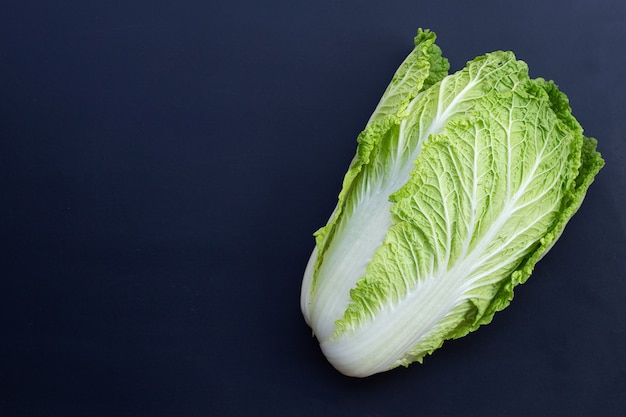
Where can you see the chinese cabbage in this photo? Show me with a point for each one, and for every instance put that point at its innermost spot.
(460, 184)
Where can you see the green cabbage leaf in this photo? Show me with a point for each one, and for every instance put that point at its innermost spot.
(460, 184)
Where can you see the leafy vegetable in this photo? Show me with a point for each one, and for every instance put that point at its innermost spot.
(460, 184)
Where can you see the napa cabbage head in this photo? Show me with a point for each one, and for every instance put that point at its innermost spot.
(459, 185)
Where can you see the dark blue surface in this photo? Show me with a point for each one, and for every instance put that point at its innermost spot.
(163, 166)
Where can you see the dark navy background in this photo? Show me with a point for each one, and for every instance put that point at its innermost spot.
(164, 164)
